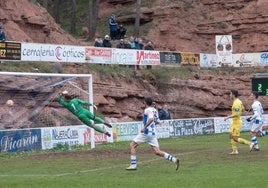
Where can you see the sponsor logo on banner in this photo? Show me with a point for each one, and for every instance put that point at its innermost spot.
(98, 55)
(148, 57)
(20, 140)
(224, 49)
(124, 56)
(190, 59)
(65, 135)
(10, 51)
(187, 127)
(127, 131)
(264, 59)
(49, 52)
(208, 60)
(170, 57)
(245, 60)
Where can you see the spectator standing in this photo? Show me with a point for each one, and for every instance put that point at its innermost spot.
(106, 42)
(131, 42)
(113, 27)
(121, 32)
(121, 44)
(2, 34)
(98, 42)
(164, 113)
(126, 44)
(149, 46)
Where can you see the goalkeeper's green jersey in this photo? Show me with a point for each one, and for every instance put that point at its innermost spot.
(74, 105)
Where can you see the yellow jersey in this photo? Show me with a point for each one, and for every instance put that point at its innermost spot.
(237, 109)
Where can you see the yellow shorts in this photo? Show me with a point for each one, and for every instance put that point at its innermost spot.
(235, 128)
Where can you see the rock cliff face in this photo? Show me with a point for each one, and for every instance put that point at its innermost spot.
(174, 25)
(191, 26)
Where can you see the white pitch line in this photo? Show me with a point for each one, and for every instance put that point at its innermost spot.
(86, 171)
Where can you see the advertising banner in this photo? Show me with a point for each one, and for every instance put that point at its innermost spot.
(263, 59)
(162, 129)
(10, 51)
(98, 55)
(209, 60)
(148, 57)
(186, 127)
(124, 56)
(224, 49)
(190, 59)
(69, 135)
(126, 131)
(245, 60)
(20, 140)
(170, 57)
(52, 53)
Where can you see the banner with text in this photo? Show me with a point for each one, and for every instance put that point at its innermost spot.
(186, 127)
(52, 53)
(124, 56)
(98, 55)
(209, 60)
(10, 51)
(148, 57)
(190, 59)
(263, 59)
(224, 49)
(245, 60)
(170, 57)
(20, 140)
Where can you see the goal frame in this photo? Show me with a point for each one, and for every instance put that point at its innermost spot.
(90, 88)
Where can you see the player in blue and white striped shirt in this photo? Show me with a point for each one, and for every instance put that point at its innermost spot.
(257, 120)
(148, 134)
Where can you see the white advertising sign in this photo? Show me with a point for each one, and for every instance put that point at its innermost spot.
(124, 56)
(53, 53)
(224, 49)
(208, 60)
(98, 55)
(148, 57)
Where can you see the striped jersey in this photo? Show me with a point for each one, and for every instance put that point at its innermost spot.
(257, 110)
(150, 112)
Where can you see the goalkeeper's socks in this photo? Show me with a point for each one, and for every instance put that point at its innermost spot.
(170, 157)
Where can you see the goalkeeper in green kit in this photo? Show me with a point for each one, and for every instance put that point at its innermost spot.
(74, 106)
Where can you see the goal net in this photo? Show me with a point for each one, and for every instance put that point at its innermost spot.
(34, 96)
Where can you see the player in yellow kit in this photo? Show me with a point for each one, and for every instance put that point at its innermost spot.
(237, 110)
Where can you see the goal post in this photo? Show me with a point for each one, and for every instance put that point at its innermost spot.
(34, 96)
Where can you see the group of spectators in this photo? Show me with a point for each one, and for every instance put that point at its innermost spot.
(118, 32)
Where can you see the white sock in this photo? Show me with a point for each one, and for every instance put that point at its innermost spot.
(170, 157)
(133, 160)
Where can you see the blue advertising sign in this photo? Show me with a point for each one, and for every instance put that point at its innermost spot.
(20, 140)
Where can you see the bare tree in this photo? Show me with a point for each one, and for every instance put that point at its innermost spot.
(56, 11)
(137, 18)
(45, 4)
(93, 9)
(74, 17)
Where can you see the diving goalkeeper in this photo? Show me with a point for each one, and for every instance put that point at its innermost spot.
(74, 106)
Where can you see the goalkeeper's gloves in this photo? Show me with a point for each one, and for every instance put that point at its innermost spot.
(249, 119)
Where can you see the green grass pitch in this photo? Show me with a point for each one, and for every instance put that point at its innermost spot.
(205, 162)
